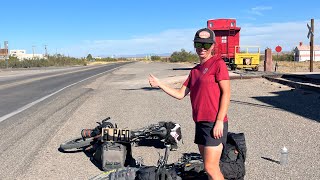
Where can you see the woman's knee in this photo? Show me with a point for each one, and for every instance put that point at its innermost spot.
(212, 155)
(211, 161)
(214, 174)
(213, 167)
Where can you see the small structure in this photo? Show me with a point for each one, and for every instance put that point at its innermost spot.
(302, 52)
(97, 57)
(21, 55)
(4, 52)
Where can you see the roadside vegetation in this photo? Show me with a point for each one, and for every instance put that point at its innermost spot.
(56, 60)
(282, 59)
(286, 63)
(184, 56)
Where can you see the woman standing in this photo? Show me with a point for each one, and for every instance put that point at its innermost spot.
(209, 87)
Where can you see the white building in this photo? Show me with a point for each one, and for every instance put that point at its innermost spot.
(98, 57)
(302, 52)
(21, 54)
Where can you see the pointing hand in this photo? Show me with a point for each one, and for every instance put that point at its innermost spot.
(153, 81)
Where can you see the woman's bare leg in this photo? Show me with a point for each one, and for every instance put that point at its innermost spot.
(211, 158)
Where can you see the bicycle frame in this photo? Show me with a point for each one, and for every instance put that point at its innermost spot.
(105, 131)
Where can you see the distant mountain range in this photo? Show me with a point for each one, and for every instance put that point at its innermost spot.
(169, 54)
(138, 55)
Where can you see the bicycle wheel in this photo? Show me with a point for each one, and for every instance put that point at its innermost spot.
(76, 144)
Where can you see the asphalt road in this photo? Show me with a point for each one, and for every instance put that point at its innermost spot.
(271, 116)
(18, 91)
(46, 99)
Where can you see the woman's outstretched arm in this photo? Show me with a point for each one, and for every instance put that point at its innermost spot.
(176, 93)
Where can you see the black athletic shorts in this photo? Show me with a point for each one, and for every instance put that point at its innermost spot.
(204, 134)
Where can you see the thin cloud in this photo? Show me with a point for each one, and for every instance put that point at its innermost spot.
(163, 42)
(286, 34)
(249, 18)
(259, 10)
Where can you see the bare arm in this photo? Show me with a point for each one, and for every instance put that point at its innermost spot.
(224, 104)
(225, 99)
(176, 93)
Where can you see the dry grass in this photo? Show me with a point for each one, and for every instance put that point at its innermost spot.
(288, 66)
(97, 63)
(103, 62)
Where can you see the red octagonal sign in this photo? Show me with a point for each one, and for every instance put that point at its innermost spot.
(278, 48)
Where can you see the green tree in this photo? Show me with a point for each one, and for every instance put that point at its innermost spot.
(183, 56)
(155, 58)
(89, 57)
(284, 57)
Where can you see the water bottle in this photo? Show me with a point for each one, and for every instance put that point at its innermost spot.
(284, 156)
(139, 161)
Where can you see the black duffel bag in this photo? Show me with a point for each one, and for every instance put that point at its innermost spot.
(232, 162)
(154, 173)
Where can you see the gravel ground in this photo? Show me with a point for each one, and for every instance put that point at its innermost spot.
(271, 116)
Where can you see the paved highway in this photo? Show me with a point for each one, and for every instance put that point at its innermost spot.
(34, 105)
(270, 114)
(20, 92)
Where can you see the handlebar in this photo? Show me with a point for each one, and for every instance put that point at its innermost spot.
(161, 133)
(88, 133)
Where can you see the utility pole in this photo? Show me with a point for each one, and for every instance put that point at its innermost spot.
(310, 36)
(6, 44)
(33, 52)
(46, 52)
(311, 45)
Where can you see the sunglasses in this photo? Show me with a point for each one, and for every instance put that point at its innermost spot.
(205, 46)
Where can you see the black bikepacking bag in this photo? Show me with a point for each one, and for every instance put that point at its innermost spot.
(146, 173)
(232, 162)
(156, 173)
(110, 155)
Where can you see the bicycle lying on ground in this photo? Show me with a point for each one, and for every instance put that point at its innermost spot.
(167, 132)
(113, 152)
(190, 166)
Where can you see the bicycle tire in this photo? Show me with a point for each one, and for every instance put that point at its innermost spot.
(76, 144)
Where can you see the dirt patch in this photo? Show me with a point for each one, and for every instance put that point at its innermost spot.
(290, 67)
(97, 63)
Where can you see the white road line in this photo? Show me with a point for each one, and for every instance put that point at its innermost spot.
(45, 97)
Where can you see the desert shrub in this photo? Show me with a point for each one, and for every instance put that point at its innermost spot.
(155, 58)
(109, 59)
(56, 60)
(183, 56)
(284, 56)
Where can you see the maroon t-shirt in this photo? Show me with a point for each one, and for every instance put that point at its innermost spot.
(204, 88)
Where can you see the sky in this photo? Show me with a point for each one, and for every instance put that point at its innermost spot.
(133, 27)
